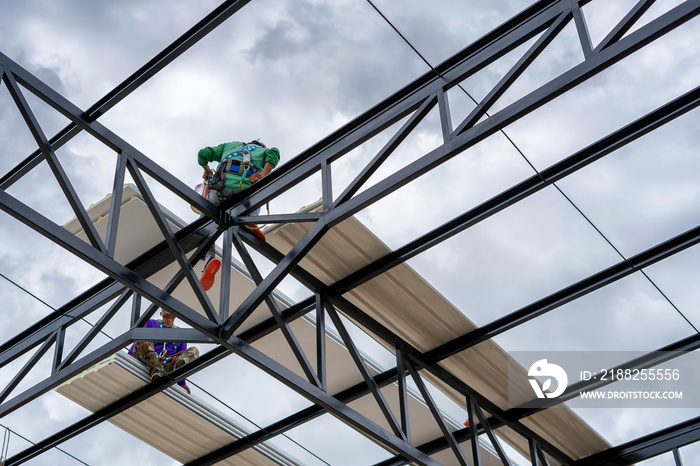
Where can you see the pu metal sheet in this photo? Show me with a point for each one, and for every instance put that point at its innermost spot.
(402, 301)
(204, 429)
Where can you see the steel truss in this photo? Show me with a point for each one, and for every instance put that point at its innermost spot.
(127, 283)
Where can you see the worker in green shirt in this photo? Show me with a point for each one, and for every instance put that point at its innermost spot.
(240, 165)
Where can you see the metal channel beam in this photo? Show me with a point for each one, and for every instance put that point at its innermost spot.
(612, 149)
(520, 108)
(53, 162)
(581, 288)
(244, 350)
(117, 407)
(130, 84)
(606, 145)
(476, 56)
(139, 334)
(332, 405)
(567, 166)
(407, 100)
(308, 414)
(420, 167)
(105, 136)
(646, 447)
(650, 359)
(356, 314)
(690, 343)
(103, 263)
(146, 265)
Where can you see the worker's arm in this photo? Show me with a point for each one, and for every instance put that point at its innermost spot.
(209, 154)
(272, 158)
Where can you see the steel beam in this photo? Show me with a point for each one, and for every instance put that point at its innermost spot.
(101, 261)
(587, 285)
(366, 375)
(428, 400)
(625, 24)
(389, 376)
(663, 354)
(516, 71)
(130, 84)
(567, 166)
(476, 56)
(92, 333)
(268, 284)
(677, 457)
(54, 163)
(364, 320)
(332, 405)
(171, 240)
(648, 446)
(312, 412)
(277, 314)
(106, 137)
(370, 124)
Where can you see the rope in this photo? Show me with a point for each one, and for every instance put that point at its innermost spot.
(262, 428)
(47, 304)
(10, 431)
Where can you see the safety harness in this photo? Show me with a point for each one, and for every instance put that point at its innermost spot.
(239, 162)
(164, 357)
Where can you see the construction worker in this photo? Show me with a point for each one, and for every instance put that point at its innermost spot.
(240, 165)
(163, 357)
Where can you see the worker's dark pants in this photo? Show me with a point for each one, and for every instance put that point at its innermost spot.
(162, 365)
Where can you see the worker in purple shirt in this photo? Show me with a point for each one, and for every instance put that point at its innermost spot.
(163, 357)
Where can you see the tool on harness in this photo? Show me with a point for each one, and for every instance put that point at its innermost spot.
(244, 166)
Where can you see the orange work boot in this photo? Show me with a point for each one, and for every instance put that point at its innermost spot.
(256, 231)
(209, 274)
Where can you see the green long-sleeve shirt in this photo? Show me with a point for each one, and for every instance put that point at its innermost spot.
(259, 156)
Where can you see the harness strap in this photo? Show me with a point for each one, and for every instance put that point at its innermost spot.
(245, 166)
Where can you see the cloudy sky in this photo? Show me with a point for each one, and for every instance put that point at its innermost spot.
(292, 72)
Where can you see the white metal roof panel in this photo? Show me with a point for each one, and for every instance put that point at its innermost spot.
(402, 301)
(204, 429)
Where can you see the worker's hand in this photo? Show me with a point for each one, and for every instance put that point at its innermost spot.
(208, 172)
(258, 176)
